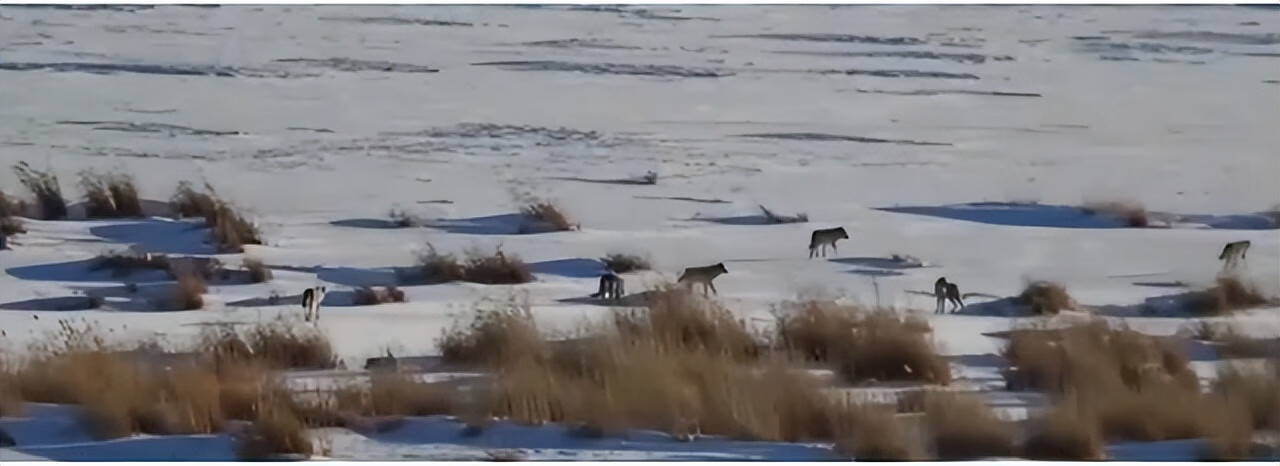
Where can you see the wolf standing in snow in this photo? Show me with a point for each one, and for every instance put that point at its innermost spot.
(311, 299)
(946, 291)
(820, 239)
(611, 286)
(1232, 254)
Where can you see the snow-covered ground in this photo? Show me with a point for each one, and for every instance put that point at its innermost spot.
(955, 134)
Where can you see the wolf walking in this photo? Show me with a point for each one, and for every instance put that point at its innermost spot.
(703, 275)
(311, 298)
(820, 239)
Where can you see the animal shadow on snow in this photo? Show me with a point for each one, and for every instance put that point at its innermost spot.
(640, 299)
(163, 236)
(1058, 216)
(369, 223)
(879, 262)
(332, 298)
(738, 220)
(56, 303)
(506, 435)
(875, 272)
(502, 224)
(147, 297)
(1162, 284)
(1014, 214)
(80, 271)
(571, 268)
(356, 277)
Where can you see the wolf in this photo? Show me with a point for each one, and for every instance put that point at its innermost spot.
(1233, 254)
(820, 239)
(311, 298)
(947, 292)
(703, 275)
(611, 286)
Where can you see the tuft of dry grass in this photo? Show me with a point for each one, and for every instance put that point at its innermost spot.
(679, 371)
(1230, 294)
(46, 189)
(1132, 213)
(1064, 435)
(1127, 385)
(1093, 358)
(189, 202)
(861, 344)
(390, 394)
(188, 293)
(873, 434)
(439, 268)
(276, 432)
(368, 296)
(110, 196)
(281, 345)
(678, 318)
(124, 263)
(887, 349)
(542, 215)
(498, 268)
(229, 229)
(1256, 390)
(256, 270)
(496, 334)
(962, 427)
(124, 393)
(1233, 345)
(10, 226)
(10, 207)
(1044, 297)
(777, 219)
(816, 329)
(623, 263)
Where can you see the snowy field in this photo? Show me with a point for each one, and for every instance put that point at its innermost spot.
(965, 136)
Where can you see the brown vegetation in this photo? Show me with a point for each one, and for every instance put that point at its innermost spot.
(623, 263)
(1064, 434)
(46, 189)
(124, 263)
(256, 270)
(542, 215)
(1229, 295)
(1126, 385)
(498, 268)
(1132, 213)
(1256, 391)
(229, 229)
(1043, 297)
(862, 344)
(390, 394)
(10, 226)
(10, 207)
(1232, 344)
(188, 293)
(368, 296)
(281, 345)
(110, 196)
(188, 202)
(963, 427)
